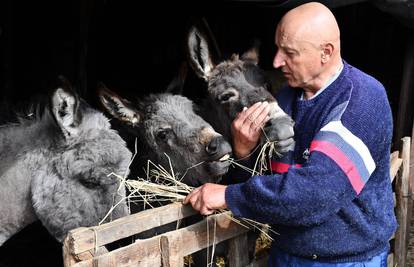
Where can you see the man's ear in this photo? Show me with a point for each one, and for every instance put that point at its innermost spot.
(118, 107)
(65, 107)
(327, 52)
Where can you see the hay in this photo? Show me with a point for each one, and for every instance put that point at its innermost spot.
(162, 185)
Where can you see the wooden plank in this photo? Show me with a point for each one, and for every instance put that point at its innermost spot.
(165, 251)
(394, 155)
(68, 258)
(90, 254)
(178, 261)
(181, 242)
(395, 166)
(193, 238)
(411, 171)
(390, 260)
(83, 239)
(405, 155)
(141, 253)
(402, 194)
(238, 251)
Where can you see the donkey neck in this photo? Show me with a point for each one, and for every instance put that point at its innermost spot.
(18, 144)
(28, 135)
(19, 212)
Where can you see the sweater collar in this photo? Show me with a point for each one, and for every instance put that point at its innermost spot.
(326, 90)
(329, 82)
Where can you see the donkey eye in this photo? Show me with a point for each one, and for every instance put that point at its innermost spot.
(164, 134)
(226, 96)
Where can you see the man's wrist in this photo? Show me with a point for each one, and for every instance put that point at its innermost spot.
(242, 154)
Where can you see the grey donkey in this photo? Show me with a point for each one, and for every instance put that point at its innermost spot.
(54, 168)
(167, 124)
(233, 84)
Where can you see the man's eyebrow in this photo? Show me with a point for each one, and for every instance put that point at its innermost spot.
(287, 48)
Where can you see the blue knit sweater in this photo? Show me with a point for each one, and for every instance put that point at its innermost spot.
(331, 198)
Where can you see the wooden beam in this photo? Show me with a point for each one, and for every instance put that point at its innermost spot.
(83, 239)
(403, 199)
(165, 251)
(193, 238)
(141, 253)
(180, 243)
(395, 166)
(238, 251)
(68, 258)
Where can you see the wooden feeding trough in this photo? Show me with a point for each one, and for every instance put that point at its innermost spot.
(84, 247)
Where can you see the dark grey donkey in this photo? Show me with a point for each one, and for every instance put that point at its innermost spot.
(233, 84)
(167, 124)
(54, 168)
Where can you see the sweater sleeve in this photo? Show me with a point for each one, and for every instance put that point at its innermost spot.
(338, 167)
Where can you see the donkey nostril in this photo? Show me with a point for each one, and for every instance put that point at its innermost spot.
(212, 147)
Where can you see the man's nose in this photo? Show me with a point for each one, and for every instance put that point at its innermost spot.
(278, 61)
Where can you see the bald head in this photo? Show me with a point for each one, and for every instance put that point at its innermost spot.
(311, 22)
(308, 44)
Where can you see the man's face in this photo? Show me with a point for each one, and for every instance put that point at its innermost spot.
(298, 57)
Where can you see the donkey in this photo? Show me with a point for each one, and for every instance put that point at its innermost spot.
(55, 168)
(233, 84)
(167, 124)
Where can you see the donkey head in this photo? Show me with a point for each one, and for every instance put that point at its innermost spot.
(167, 125)
(237, 83)
(75, 187)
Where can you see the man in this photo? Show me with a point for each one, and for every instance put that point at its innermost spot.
(331, 199)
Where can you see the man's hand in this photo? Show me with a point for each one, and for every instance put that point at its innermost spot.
(246, 128)
(207, 198)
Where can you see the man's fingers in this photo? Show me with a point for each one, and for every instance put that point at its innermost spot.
(261, 119)
(251, 120)
(244, 115)
(192, 194)
(206, 211)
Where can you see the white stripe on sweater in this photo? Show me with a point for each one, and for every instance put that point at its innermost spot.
(352, 140)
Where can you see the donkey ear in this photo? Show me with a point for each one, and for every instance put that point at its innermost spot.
(252, 54)
(118, 107)
(176, 86)
(65, 107)
(199, 49)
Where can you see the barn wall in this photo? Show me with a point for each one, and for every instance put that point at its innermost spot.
(117, 43)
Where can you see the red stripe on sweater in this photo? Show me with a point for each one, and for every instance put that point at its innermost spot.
(342, 160)
(281, 167)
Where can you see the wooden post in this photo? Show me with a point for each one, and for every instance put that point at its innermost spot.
(68, 258)
(238, 251)
(403, 205)
(165, 251)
